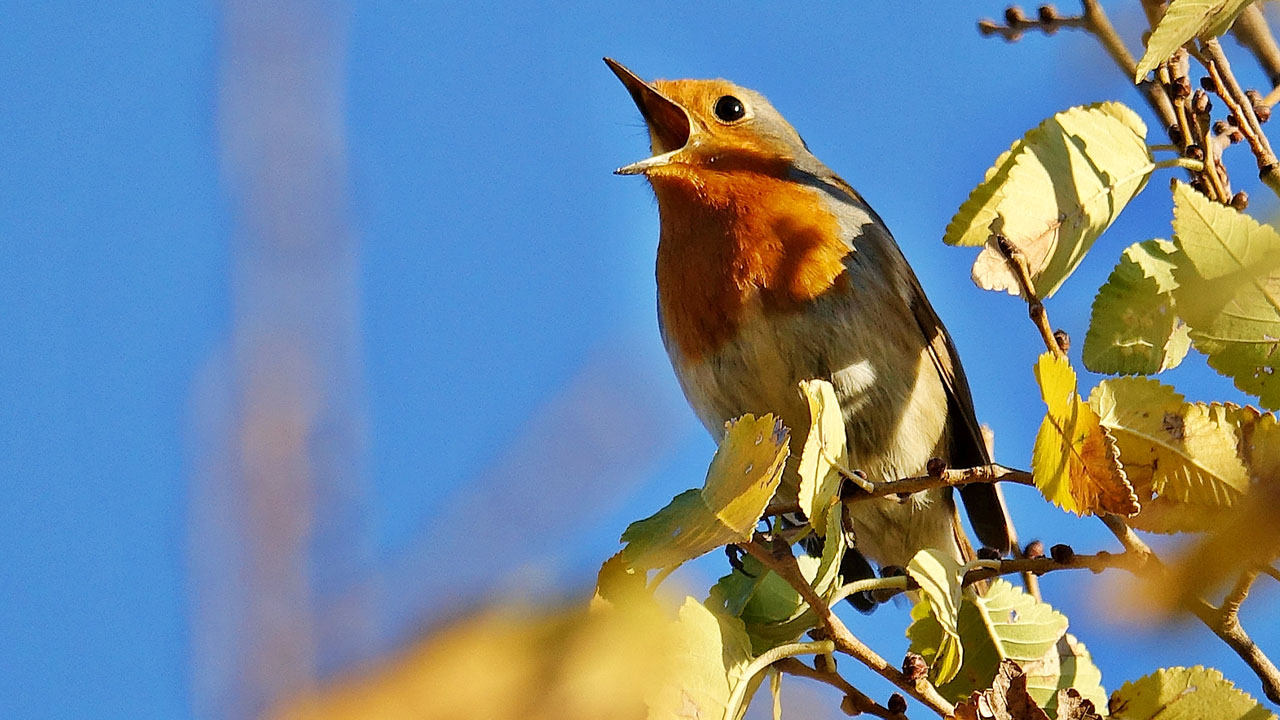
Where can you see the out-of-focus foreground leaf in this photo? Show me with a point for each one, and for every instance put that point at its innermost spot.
(1182, 458)
(1053, 193)
(740, 482)
(1075, 462)
(1183, 20)
(1228, 290)
(1196, 693)
(1134, 328)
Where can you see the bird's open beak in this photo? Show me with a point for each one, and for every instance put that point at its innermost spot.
(668, 122)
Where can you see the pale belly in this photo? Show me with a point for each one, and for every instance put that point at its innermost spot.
(893, 401)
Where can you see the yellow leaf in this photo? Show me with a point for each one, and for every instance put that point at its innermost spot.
(1184, 20)
(1181, 458)
(1133, 327)
(1075, 463)
(824, 453)
(1053, 193)
(939, 576)
(1179, 693)
(1228, 292)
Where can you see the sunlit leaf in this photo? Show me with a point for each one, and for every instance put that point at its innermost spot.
(1071, 705)
(1075, 462)
(1006, 623)
(1184, 20)
(774, 613)
(1178, 693)
(740, 482)
(1260, 444)
(1134, 328)
(1181, 458)
(824, 453)
(939, 576)
(1228, 292)
(1053, 193)
(1066, 665)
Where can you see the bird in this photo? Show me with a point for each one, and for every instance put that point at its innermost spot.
(771, 269)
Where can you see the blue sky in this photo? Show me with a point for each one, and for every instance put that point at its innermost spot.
(510, 406)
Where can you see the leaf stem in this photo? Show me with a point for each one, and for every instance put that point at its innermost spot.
(1182, 162)
(764, 660)
(855, 699)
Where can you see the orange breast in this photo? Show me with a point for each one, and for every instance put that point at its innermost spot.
(730, 237)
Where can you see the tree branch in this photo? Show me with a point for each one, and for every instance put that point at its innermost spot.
(1241, 107)
(1252, 31)
(855, 701)
(1035, 308)
(779, 559)
(1225, 623)
(864, 489)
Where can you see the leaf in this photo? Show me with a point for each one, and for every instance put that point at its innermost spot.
(1053, 193)
(824, 453)
(940, 579)
(1075, 463)
(1066, 665)
(1134, 328)
(1182, 21)
(1260, 444)
(710, 657)
(1007, 699)
(740, 482)
(1006, 623)
(774, 613)
(1228, 292)
(1071, 705)
(1181, 458)
(1179, 693)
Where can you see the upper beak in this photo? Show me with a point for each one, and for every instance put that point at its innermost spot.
(668, 122)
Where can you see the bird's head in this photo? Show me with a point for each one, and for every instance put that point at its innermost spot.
(710, 126)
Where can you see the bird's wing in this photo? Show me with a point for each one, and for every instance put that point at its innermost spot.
(983, 502)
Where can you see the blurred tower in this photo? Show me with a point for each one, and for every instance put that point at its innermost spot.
(278, 511)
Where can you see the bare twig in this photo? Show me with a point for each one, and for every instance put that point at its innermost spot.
(1241, 106)
(1271, 570)
(854, 699)
(1099, 25)
(1047, 21)
(865, 489)
(1252, 31)
(779, 559)
(1035, 308)
(1225, 623)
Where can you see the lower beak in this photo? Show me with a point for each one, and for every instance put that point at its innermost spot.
(668, 122)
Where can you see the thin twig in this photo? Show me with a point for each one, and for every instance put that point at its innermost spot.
(1225, 623)
(1271, 570)
(1035, 308)
(782, 562)
(865, 489)
(855, 699)
(1252, 31)
(1242, 107)
(1099, 25)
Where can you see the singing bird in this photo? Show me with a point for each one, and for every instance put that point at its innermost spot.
(772, 270)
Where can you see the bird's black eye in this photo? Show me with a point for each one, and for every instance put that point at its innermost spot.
(730, 108)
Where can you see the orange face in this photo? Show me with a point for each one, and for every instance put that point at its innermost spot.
(736, 227)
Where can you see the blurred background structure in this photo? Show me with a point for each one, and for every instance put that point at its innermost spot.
(323, 322)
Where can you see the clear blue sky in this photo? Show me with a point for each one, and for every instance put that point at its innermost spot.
(514, 407)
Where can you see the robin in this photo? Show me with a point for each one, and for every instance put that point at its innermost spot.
(771, 270)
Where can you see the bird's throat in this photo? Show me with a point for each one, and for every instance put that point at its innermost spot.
(738, 242)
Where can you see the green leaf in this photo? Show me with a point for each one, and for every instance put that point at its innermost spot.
(1006, 623)
(774, 613)
(824, 452)
(940, 576)
(1179, 693)
(1134, 328)
(1184, 20)
(1053, 193)
(1066, 665)
(1074, 462)
(1182, 458)
(1228, 274)
(740, 482)
(710, 656)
